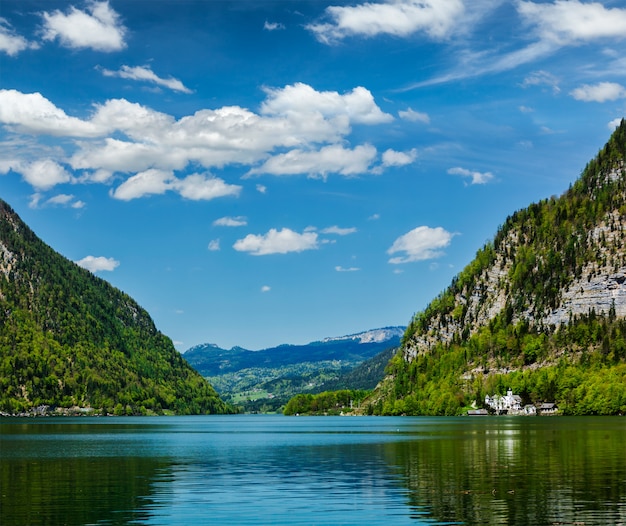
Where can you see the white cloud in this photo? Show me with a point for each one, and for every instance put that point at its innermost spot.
(338, 230)
(97, 263)
(144, 73)
(414, 116)
(477, 177)
(566, 22)
(231, 221)
(436, 18)
(273, 26)
(300, 100)
(145, 183)
(266, 288)
(601, 92)
(615, 123)
(214, 245)
(98, 28)
(329, 159)
(394, 158)
(420, 244)
(298, 131)
(44, 174)
(277, 242)
(195, 187)
(339, 268)
(199, 187)
(33, 113)
(542, 78)
(10, 42)
(261, 188)
(65, 200)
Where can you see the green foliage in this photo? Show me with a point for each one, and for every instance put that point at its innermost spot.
(326, 403)
(68, 338)
(588, 378)
(543, 248)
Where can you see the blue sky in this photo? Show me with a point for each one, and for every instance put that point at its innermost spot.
(264, 172)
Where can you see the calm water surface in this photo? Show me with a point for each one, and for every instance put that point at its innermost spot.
(281, 470)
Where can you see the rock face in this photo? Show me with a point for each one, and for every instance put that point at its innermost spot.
(548, 264)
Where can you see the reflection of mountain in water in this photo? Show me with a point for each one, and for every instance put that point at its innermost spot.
(75, 491)
(518, 474)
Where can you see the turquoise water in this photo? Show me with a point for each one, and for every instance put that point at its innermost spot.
(312, 470)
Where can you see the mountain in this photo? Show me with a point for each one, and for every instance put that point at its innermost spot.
(266, 379)
(364, 376)
(541, 309)
(68, 339)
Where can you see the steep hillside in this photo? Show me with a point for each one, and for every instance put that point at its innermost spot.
(541, 309)
(69, 339)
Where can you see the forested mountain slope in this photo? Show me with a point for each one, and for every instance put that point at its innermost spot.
(541, 309)
(69, 339)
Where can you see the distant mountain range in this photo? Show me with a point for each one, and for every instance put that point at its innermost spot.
(270, 376)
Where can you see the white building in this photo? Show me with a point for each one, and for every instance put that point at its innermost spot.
(507, 404)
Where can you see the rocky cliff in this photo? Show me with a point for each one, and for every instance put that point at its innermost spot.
(548, 292)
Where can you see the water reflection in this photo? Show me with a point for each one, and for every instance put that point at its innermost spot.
(276, 470)
(76, 491)
(519, 471)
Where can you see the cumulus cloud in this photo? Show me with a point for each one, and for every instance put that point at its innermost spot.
(266, 288)
(214, 245)
(44, 174)
(98, 263)
(298, 131)
(436, 18)
(98, 28)
(10, 42)
(301, 100)
(615, 123)
(394, 158)
(231, 221)
(476, 177)
(277, 242)
(329, 159)
(199, 187)
(602, 92)
(33, 113)
(153, 182)
(145, 74)
(414, 116)
(420, 244)
(566, 22)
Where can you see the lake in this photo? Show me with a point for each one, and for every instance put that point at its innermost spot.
(261, 469)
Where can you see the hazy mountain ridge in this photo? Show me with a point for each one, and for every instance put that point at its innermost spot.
(545, 300)
(70, 339)
(266, 379)
(209, 359)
